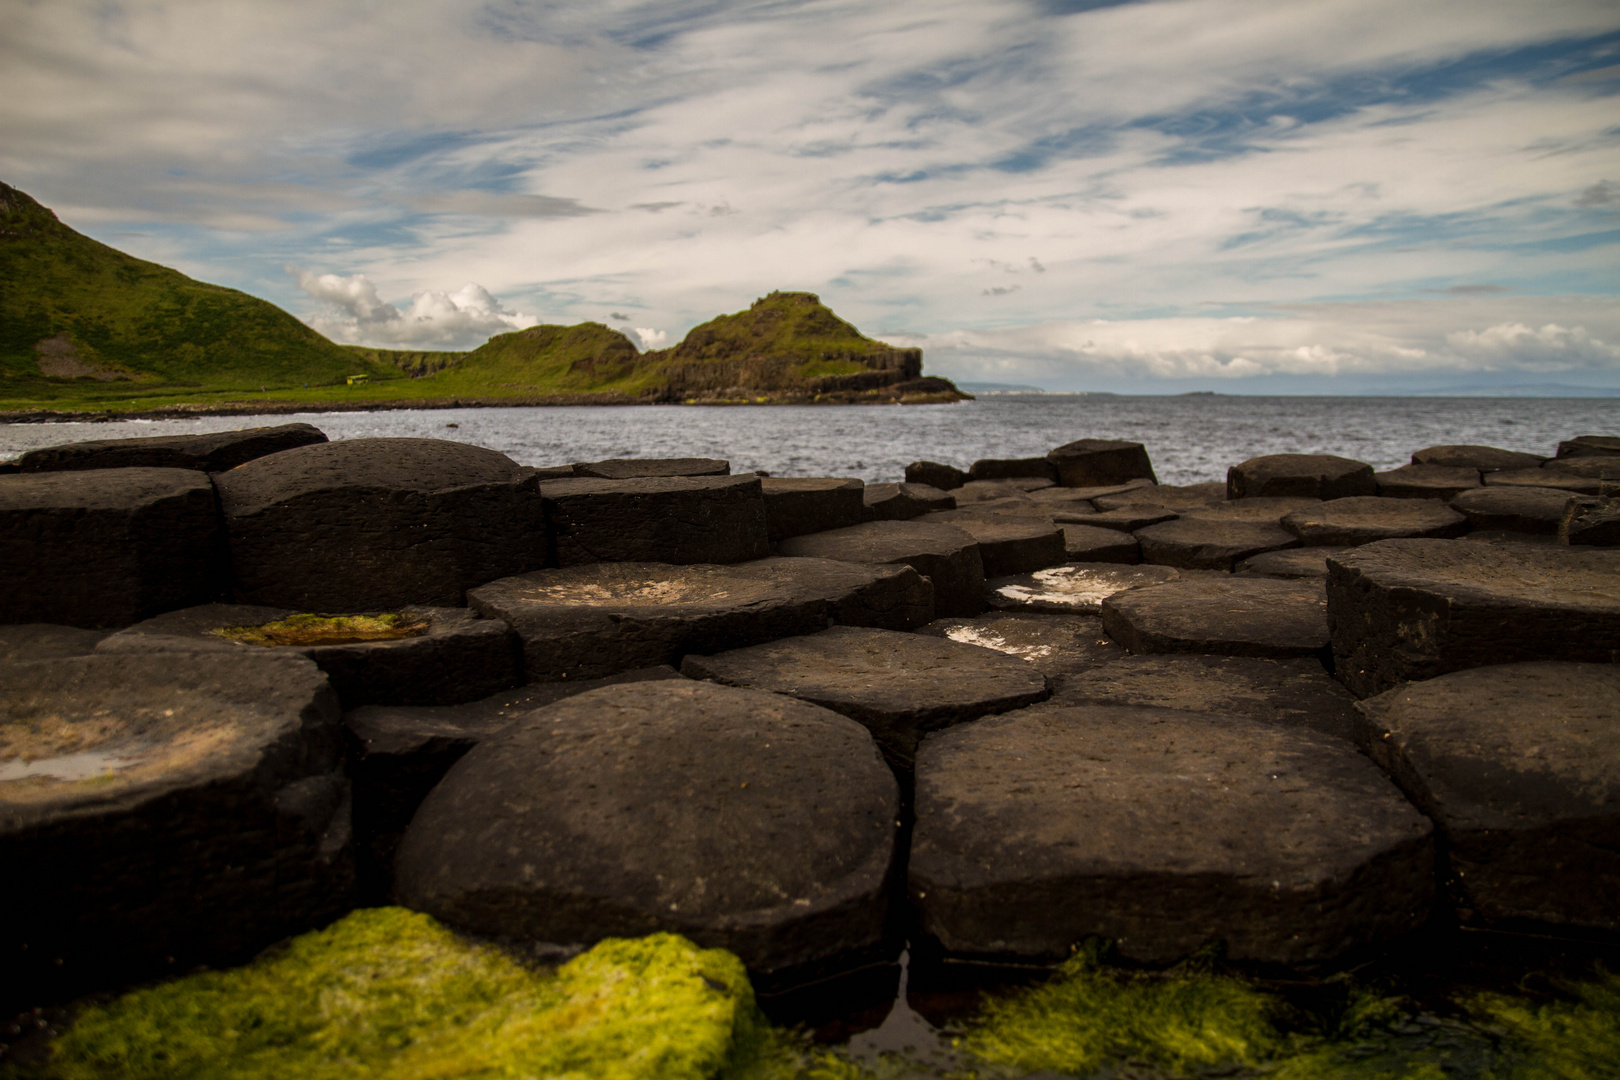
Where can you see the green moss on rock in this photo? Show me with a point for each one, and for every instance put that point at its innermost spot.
(328, 630)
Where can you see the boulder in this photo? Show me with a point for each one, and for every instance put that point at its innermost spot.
(212, 452)
(106, 547)
(1073, 589)
(46, 641)
(1292, 693)
(1162, 831)
(1548, 478)
(946, 555)
(670, 519)
(1055, 645)
(1519, 766)
(397, 753)
(1269, 617)
(1426, 481)
(636, 468)
(899, 686)
(375, 524)
(586, 622)
(1301, 562)
(413, 656)
(1365, 518)
(1402, 610)
(1009, 545)
(1309, 476)
(1169, 496)
(1210, 543)
(1480, 458)
(1095, 462)
(795, 505)
(932, 473)
(1012, 468)
(164, 812)
(1513, 509)
(741, 819)
(1592, 521)
(901, 502)
(1590, 446)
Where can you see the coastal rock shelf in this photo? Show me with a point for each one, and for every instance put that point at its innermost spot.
(790, 716)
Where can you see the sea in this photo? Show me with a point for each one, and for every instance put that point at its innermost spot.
(1190, 438)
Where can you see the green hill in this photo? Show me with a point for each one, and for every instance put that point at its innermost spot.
(81, 322)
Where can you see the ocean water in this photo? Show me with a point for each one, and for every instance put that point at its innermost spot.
(1190, 438)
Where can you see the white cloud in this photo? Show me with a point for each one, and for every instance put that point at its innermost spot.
(357, 315)
(651, 339)
(1514, 345)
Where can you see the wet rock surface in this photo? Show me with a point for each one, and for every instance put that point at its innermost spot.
(899, 686)
(107, 547)
(1414, 609)
(1162, 831)
(586, 622)
(946, 555)
(1513, 509)
(368, 524)
(1365, 519)
(1519, 766)
(165, 811)
(417, 655)
(210, 452)
(1055, 645)
(670, 519)
(1074, 588)
(1094, 462)
(1234, 617)
(1311, 476)
(633, 468)
(741, 819)
(795, 505)
(1210, 543)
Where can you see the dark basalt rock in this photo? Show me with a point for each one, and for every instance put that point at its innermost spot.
(1595, 522)
(1365, 519)
(1061, 503)
(1548, 478)
(1300, 562)
(1592, 467)
(1266, 509)
(1481, 458)
(932, 473)
(163, 811)
(634, 468)
(1426, 482)
(106, 547)
(1055, 645)
(456, 657)
(1403, 610)
(794, 506)
(211, 452)
(586, 622)
(946, 555)
(1095, 462)
(46, 641)
(741, 819)
(1210, 543)
(1519, 766)
(1513, 509)
(373, 524)
(1170, 496)
(1083, 543)
(898, 685)
(1010, 545)
(672, 519)
(1015, 488)
(1309, 476)
(1231, 616)
(1011, 468)
(1130, 518)
(1162, 831)
(397, 753)
(1590, 446)
(1292, 693)
(902, 502)
(1072, 589)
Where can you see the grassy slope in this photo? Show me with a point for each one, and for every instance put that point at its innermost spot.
(784, 324)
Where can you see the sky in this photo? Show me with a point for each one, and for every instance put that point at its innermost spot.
(1246, 196)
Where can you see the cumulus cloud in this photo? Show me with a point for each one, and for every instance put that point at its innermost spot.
(1513, 345)
(356, 315)
(651, 339)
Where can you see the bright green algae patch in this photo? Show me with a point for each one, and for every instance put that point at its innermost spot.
(328, 630)
(387, 992)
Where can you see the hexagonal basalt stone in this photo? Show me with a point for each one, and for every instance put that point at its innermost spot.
(585, 622)
(209, 452)
(634, 468)
(1056, 645)
(798, 505)
(106, 547)
(1513, 509)
(46, 641)
(1012, 468)
(670, 519)
(744, 820)
(1083, 543)
(946, 555)
(1592, 521)
(1094, 462)
(1402, 610)
(1162, 831)
(1480, 458)
(1426, 482)
(1130, 518)
(1169, 496)
(163, 811)
(898, 685)
(1075, 588)
(415, 656)
(1310, 476)
(1231, 616)
(1595, 467)
(1301, 562)
(1365, 519)
(979, 490)
(1519, 766)
(1210, 543)
(373, 524)
(1009, 545)
(932, 473)
(1590, 446)
(902, 502)
(1548, 478)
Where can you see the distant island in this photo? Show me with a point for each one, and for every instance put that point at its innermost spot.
(87, 330)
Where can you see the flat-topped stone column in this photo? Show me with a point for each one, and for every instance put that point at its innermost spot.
(208, 452)
(1363, 519)
(1055, 645)
(1240, 616)
(1094, 462)
(798, 505)
(669, 519)
(1074, 588)
(634, 468)
(1311, 476)
(946, 555)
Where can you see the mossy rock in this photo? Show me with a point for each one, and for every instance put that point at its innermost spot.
(329, 629)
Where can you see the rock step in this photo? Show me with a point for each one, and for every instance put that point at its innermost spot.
(1365, 519)
(668, 519)
(210, 452)
(946, 555)
(1269, 617)
(1311, 476)
(798, 505)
